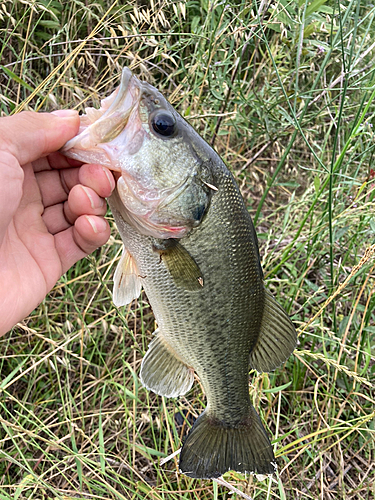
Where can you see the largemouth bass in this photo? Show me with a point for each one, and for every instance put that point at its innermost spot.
(190, 243)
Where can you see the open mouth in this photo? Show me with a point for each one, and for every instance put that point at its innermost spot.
(103, 125)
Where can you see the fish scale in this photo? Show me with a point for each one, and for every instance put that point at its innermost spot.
(195, 252)
(206, 328)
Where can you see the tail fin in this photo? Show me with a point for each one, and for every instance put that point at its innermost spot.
(212, 448)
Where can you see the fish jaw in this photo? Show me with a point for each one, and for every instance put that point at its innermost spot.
(99, 127)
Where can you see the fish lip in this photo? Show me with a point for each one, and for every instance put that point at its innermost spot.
(123, 89)
(126, 76)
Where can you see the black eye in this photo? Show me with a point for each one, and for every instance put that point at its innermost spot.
(163, 124)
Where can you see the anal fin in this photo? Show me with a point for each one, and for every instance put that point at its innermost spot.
(277, 339)
(126, 281)
(163, 372)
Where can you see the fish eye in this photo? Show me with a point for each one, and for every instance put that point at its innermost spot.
(164, 124)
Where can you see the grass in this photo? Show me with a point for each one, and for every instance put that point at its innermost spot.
(285, 91)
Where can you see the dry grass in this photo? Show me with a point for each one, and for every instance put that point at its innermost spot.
(286, 93)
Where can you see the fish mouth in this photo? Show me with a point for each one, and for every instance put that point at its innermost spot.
(101, 126)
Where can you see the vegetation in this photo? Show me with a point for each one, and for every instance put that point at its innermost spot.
(285, 91)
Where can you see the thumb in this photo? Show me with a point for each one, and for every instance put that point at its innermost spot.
(28, 135)
(24, 138)
(11, 181)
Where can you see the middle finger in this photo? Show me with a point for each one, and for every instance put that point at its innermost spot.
(96, 177)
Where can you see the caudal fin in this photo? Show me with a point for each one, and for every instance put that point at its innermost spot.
(212, 448)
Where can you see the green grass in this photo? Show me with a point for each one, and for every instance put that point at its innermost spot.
(286, 93)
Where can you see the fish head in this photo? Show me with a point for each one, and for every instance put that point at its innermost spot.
(164, 175)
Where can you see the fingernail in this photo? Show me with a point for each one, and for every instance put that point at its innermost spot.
(98, 224)
(65, 113)
(95, 203)
(110, 178)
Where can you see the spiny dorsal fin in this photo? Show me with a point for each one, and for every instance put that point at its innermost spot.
(181, 265)
(163, 372)
(126, 281)
(277, 339)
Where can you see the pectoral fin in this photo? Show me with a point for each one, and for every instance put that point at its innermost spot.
(181, 265)
(277, 339)
(127, 284)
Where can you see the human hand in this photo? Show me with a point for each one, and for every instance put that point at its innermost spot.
(51, 210)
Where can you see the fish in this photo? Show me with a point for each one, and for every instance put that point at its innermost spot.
(190, 243)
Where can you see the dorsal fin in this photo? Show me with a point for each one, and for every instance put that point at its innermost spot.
(277, 339)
